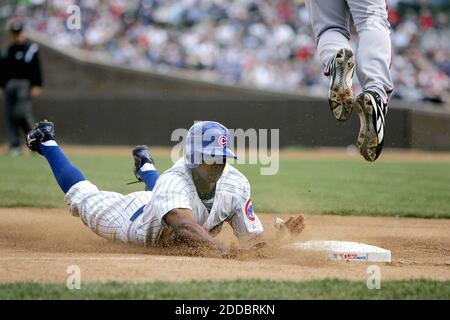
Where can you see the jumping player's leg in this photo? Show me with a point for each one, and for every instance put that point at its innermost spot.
(330, 22)
(372, 67)
(373, 59)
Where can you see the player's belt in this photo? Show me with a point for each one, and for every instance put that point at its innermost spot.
(137, 213)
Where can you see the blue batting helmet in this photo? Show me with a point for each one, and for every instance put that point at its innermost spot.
(207, 141)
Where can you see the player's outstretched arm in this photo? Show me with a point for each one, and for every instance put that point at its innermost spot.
(187, 231)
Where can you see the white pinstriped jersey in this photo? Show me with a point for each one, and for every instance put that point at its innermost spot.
(175, 189)
(113, 215)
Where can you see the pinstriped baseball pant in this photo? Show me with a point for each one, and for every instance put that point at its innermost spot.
(106, 213)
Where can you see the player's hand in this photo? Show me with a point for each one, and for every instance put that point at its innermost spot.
(295, 225)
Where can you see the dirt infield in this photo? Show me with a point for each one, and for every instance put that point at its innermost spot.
(39, 244)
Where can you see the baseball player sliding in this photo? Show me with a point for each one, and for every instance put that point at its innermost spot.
(186, 204)
(330, 20)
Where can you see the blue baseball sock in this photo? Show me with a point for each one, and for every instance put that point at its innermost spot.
(149, 175)
(65, 172)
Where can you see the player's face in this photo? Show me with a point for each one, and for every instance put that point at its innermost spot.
(210, 172)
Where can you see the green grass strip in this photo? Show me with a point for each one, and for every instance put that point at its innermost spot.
(241, 289)
(323, 186)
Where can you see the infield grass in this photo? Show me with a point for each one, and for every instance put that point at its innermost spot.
(248, 289)
(323, 186)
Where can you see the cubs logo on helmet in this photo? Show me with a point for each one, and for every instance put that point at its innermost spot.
(222, 140)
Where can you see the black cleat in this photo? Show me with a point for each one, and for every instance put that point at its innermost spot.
(42, 132)
(372, 112)
(340, 95)
(141, 156)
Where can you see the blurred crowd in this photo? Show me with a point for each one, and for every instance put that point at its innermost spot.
(262, 43)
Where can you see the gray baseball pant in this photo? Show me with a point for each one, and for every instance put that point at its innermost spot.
(18, 110)
(330, 21)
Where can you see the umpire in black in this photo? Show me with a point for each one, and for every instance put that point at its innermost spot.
(20, 79)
